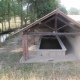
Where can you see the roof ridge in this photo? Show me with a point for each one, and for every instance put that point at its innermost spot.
(46, 16)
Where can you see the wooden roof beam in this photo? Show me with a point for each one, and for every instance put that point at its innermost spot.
(43, 23)
(67, 23)
(55, 24)
(61, 27)
(49, 27)
(52, 33)
(68, 18)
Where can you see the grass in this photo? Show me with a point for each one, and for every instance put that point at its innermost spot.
(11, 69)
(37, 71)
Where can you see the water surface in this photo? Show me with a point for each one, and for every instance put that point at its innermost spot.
(3, 37)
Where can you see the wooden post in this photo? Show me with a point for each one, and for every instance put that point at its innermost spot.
(25, 46)
(32, 40)
(56, 24)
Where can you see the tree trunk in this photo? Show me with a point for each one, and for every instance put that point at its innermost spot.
(4, 16)
(25, 22)
(14, 14)
(21, 15)
(5, 25)
(15, 21)
(2, 26)
(27, 14)
(9, 14)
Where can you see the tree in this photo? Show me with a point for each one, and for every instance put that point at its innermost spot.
(35, 9)
(39, 8)
(73, 11)
(63, 9)
(8, 9)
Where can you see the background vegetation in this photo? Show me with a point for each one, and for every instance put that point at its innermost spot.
(74, 11)
(26, 10)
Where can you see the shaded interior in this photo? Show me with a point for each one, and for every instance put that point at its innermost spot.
(67, 44)
(49, 43)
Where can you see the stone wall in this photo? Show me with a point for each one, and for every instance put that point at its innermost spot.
(51, 52)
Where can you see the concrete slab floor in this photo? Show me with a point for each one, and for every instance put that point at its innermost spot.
(36, 59)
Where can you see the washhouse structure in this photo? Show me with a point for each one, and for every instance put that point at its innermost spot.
(53, 30)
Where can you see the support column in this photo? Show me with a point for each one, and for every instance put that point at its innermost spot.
(33, 40)
(56, 24)
(25, 46)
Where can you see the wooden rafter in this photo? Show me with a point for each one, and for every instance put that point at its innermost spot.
(38, 30)
(43, 23)
(57, 11)
(51, 33)
(49, 27)
(68, 18)
(61, 27)
(67, 23)
(49, 19)
(56, 23)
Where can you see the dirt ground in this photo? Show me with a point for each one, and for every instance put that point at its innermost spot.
(12, 69)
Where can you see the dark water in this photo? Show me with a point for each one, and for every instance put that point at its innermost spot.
(3, 37)
(49, 44)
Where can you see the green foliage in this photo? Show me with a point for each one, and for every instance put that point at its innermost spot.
(63, 9)
(27, 10)
(39, 8)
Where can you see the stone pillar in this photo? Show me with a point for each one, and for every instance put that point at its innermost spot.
(32, 40)
(25, 46)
